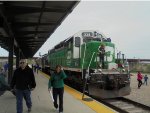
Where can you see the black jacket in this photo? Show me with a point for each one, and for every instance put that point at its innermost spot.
(23, 79)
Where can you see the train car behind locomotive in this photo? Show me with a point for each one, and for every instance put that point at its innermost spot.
(43, 63)
(90, 52)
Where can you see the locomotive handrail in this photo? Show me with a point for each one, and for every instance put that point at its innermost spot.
(87, 76)
(91, 60)
(83, 60)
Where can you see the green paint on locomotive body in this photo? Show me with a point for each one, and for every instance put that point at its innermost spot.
(62, 57)
(70, 56)
(93, 48)
(57, 57)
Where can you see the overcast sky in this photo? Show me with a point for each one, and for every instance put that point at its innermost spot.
(126, 23)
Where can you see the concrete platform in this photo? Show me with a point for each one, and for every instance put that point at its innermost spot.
(42, 102)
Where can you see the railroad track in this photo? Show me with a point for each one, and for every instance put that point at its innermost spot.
(124, 105)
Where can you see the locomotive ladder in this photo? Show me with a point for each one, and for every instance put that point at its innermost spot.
(87, 76)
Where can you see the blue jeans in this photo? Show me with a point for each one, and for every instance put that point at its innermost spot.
(20, 94)
(145, 81)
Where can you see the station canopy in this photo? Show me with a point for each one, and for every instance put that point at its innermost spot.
(31, 23)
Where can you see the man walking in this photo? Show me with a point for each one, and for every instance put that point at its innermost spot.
(24, 81)
(139, 78)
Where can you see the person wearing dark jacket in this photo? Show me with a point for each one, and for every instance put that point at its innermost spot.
(102, 55)
(57, 82)
(24, 82)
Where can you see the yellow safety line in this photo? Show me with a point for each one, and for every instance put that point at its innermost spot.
(96, 106)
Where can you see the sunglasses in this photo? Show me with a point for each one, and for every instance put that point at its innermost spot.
(22, 62)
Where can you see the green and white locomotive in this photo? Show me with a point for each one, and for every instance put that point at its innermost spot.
(81, 54)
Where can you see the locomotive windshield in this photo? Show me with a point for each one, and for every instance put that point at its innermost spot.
(88, 39)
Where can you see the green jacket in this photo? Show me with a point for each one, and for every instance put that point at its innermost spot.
(57, 80)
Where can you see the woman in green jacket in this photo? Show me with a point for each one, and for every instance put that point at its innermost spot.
(57, 82)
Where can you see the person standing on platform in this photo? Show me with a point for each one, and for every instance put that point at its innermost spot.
(139, 78)
(37, 68)
(145, 79)
(24, 82)
(34, 66)
(57, 82)
(6, 67)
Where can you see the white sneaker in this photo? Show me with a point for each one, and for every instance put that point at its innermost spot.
(60, 112)
(57, 109)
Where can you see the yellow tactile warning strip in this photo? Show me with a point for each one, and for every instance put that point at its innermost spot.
(96, 106)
